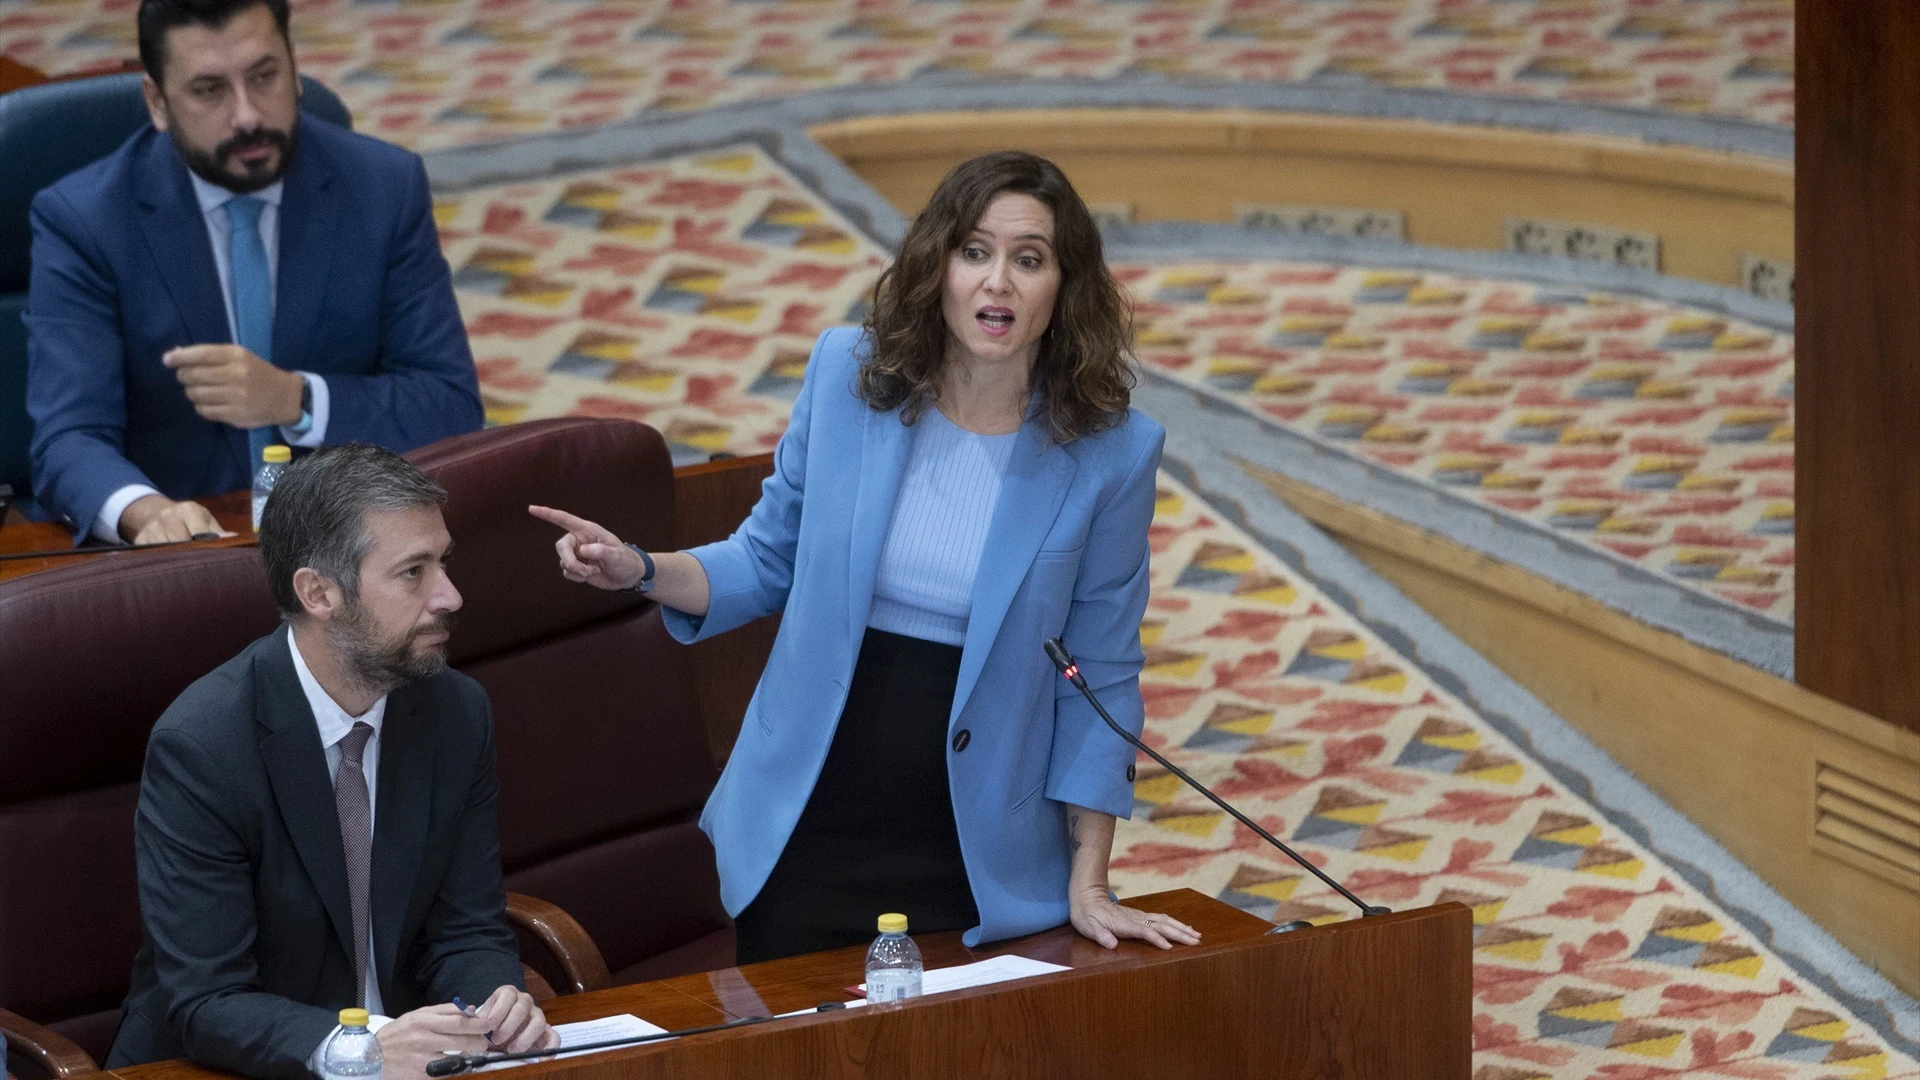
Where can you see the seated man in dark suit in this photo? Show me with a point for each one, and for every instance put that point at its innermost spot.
(234, 275)
(316, 820)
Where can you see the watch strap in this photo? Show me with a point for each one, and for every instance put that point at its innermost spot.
(645, 584)
(305, 423)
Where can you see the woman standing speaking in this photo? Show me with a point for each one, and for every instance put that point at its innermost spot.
(962, 478)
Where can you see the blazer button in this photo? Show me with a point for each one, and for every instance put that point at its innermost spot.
(1129, 774)
(961, 739)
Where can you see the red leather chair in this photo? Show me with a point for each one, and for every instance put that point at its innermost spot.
(604, 762)
(90, 655)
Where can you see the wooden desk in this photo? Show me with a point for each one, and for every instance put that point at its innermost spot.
(234, 510)
(709, 499)
(1387, 997)
(14, 75)
(799, 982)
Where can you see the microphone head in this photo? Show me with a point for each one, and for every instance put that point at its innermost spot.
(1057, 652)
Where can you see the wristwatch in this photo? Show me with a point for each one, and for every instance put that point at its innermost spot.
(305, 423)
(645, 584)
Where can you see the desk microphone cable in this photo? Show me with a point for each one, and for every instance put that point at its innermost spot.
(1069, 669)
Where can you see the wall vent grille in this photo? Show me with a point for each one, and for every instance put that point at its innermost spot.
(1868, 825)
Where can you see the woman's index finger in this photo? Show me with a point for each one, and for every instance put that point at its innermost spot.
(563, 519)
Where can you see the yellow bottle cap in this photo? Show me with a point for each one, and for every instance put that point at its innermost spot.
(351, 1017)
(277, 454)
(893, 924)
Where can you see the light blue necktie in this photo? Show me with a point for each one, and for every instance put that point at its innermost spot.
(252, 298)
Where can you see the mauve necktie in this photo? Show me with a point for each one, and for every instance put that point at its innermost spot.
(355, 808)
(252, 298)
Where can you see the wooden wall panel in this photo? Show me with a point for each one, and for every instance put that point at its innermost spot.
(1857, 621)
(1455, 184)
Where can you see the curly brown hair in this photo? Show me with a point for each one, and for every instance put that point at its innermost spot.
(1084, 373)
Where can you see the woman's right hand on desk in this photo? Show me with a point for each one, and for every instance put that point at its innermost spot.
(590, 553)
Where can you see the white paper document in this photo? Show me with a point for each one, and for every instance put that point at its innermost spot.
(624, 1026)
(998, 969)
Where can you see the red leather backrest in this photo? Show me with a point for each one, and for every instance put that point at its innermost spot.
(604, 763)
(90, 656)
(615, 472)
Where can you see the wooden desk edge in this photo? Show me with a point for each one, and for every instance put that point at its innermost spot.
(235, 512)
(1450, 912)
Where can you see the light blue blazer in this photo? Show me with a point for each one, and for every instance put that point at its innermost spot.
(1066, 554)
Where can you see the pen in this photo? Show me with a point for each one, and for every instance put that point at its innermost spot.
(468, 1010)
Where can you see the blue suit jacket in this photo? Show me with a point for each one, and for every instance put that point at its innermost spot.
(1066, 554)
(123, 271)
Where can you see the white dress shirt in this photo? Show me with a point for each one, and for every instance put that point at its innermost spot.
(213, 211)
(334, 724)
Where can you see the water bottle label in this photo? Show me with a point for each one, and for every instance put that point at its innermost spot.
(892, 985)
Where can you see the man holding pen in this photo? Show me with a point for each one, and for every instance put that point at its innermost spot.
(316, 826)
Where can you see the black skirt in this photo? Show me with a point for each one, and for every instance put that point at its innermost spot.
(878, 833)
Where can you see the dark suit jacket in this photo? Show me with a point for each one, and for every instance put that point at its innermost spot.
(246, 955)
(123, 271)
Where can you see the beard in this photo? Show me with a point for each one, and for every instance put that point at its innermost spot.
(211, 165)
(382, 664)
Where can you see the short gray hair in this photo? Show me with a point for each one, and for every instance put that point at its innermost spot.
(316, 516)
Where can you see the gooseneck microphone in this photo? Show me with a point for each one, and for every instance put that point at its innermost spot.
(1063, 660)
(454, 1064)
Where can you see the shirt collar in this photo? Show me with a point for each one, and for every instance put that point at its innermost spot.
(212, 197)
(333, 721)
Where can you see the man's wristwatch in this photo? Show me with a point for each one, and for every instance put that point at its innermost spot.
(305, 423)
(645, 584)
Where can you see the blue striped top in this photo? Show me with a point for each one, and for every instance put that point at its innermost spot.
(924, 588)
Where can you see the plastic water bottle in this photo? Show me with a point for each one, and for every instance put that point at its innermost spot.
(274, 461)
(893, 963)
(352, 1052)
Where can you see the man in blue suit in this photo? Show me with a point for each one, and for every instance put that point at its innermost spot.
(233, 276)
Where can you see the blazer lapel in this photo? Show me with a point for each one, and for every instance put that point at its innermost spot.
(883, 461)
(1038, 476)
(297, 770)
(308, 206)
(176, 235)
(399, 823)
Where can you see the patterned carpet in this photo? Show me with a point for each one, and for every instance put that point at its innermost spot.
(436, 73)
(684, 293)
(1661, 435)
(1594, 959)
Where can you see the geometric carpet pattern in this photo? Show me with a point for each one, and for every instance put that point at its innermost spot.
(687, 293)
(1659, 435)
(428, 74)
(1593, 959)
